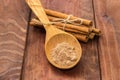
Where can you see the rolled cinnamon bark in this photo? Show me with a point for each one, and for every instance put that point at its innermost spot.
(97, 31)
(70, 27)
(80, 27)
(64, 16)
(80, 36)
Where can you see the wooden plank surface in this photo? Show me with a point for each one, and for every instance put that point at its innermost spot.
(108, 20)
(13, 26)
(36, 66)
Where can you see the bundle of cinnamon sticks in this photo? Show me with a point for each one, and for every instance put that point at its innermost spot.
(82, 29)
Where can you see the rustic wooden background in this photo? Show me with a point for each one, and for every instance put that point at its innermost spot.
(22, 54)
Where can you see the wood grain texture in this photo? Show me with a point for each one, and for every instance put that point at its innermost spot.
(13, 25)
(107, 19)
(36, 66)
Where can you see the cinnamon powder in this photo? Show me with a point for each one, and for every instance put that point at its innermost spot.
(63, 54)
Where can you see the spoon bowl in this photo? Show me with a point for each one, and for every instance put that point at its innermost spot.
(59, 38)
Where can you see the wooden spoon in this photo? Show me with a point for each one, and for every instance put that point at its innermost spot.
(54, 36)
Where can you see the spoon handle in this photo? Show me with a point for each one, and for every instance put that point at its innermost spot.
(37, 8)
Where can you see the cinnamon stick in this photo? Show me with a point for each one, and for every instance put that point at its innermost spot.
(69, 27)
(80, 27)
(97, 31)
(64, 16)
(80, 36)
(35, 22)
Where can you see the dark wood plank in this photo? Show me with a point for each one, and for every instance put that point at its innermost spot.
(36, 66)
(13, 26)
(107, 19)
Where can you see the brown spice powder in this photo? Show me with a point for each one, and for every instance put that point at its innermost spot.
(63, 54)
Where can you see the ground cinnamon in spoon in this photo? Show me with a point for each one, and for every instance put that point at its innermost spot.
(64, 54)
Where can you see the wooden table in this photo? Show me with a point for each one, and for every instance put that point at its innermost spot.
(22, 55)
